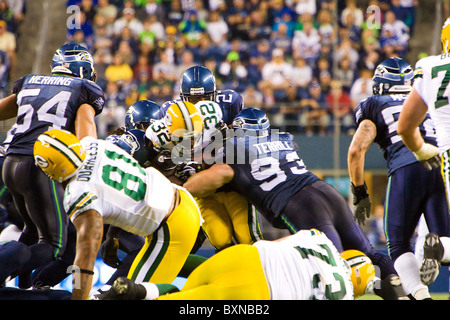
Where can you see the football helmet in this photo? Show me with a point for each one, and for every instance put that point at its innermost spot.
(363, 271)
(445, 36)
(137, 145)
(59, 154)
(393, 75)
(252, 121)
(183, 120)
(74, 60)
(141, 114)
(197, 84)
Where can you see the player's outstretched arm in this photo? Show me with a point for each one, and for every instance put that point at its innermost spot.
(84, 122)
(8, 107)
(413, 113)
(89, 227)
(362, 140)
(206, 182)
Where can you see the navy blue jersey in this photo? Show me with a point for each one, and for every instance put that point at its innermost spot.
(229, 101)
(267, 171)
(384, 111)
(49, 102)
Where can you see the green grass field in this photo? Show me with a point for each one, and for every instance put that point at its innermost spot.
(434, 296)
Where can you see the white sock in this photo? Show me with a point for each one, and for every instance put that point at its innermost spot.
(408, 268)
(446, 243)
(152, 290)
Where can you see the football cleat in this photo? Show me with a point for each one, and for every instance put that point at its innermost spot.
(123, 289)
(59, 154)
(432, 256)
(363, 271)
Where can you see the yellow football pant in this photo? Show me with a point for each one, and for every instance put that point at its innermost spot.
(166, 250)
(228, 214)
(234, 273)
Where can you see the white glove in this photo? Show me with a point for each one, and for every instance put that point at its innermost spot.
(428, 155)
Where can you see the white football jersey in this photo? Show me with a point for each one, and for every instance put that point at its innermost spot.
(212, 115)
(305, 266)
(431, 81)
(112, 183)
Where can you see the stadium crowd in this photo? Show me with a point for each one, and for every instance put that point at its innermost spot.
(302, 61)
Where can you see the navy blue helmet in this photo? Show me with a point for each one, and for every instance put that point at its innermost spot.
(197, 84)
(393, 75)
(252, 121)
(137, 145)
(141, 114)
(74, 60)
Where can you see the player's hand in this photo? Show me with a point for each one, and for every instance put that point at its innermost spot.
(428, 155)
(186, 170)
(361, 201)
(109, 250)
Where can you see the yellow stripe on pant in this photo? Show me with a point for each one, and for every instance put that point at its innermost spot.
(166, 250)
(228, 214)
(234, 273)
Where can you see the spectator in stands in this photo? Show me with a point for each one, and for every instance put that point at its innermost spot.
(258, 26)
(8, 45)
(399, 28)
(118, 71)
(128, 19)
(302, 75)
(107, 10)
(187, 61)
(89, 9)
(351, 8)
(390, 41)
(114, 109)
(233, 72)
(287, 18)
(340, 106)
(142, 84)
(315, 117)
(217, 29)
(280, 39)
(142, 64)
(252, 97)
(192, 30)
(174, 16)
(154, 8)
(305, 6)
(362, 87)
(306, 43)
(153, 28)
(345, 74)
(276, 76)
(165, 67)
(325, 28)
(346, 49)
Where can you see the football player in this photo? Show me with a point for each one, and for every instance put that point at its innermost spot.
(105, 184)
(412, 189)
(429, 94)
(303, 266)
(227, 214)
(265, 168)
(67, 99)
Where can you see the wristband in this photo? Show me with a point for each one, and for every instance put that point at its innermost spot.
(90, 272)
(426, 152)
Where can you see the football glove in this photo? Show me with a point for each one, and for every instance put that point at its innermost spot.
(109, 250)
(361, 201)
(163, 161)
(428, 155)
(186, 170)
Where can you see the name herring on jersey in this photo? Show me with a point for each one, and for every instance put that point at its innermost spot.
(49, 102)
